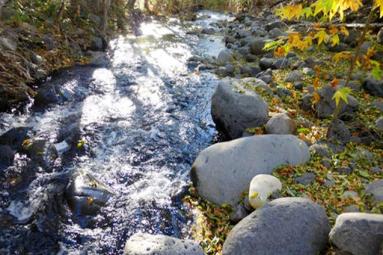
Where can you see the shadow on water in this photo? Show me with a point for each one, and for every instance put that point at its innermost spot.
(142, 118)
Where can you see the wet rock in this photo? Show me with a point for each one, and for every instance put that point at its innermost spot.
(281, 124)
(86, 195)
(147, 244)
(61, 147)
(41, 151)
(284, 226)
(224, 170)
(358, 233)
(320, 149)
(8, 44)
(236, 109)
(261, 188)
(283, 92)
(14, 137)
(6, 155)
(294, 76)
(225, 57)
(99, 58)
(208, 31)
(306, 179)
(375, 189)
(339, 131)
(97, 44)
(373, 87)
(47, 94)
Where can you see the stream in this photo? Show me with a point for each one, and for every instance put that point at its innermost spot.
(120, 140)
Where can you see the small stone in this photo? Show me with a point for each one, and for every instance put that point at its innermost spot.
(344, 170)
(238, 214)
(281, 124)
(375, 188)
(305, 179)
(376, 170)
(351, 208)
(308, 71)
(326, 163)
(225, 57)
(373, 87)
(298, 85)
(379, 124)
(320, 149)
(380, 36)
(283, 92)
(350, 195)
(62, 147)
(330, 180)
(339, 131)
(294, 76)
(8, 44)
(261, 187)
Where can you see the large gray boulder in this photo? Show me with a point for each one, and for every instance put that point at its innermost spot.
(295, 226)
(236, 108)
(147, 244)
(225, 57)
(223, 171)
(358, 233)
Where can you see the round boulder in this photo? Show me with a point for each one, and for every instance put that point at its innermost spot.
(223, 171)
(358, 233)
(147, 244)
(295, 226)
(281, 124)
(261, 187)
(235, 108)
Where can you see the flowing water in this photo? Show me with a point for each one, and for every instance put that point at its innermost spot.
(141, 118)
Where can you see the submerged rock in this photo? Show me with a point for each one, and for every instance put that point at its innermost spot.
(147, 244)
(236, 109)
(86, 195)
(358, 233)
(289, 226)
(223, 171)
(14, 137)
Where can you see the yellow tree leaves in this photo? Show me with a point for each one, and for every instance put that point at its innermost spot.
(379, 4)
(291, 12)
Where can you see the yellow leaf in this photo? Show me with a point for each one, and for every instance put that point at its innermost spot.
(335, 40)
(379, 4)
(290, 12)
(344, 31)
(321, 36)
(341, 55)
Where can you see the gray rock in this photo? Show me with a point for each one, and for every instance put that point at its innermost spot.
(289, 226)
(378, 104)
(223, 171)
(320, 149)
(308, 71)
(380, 36)
(8, 44)
(375, 188)
(365, 46)
(85, 194)
(306, 179)
(339, 131)
(283, 92)
(37, 59)
(98, 58)
(14, 137)
(276, 24)
(373, 87)
(147, 244)
(358, 233)
(276, 32)
(344, 170)
(351, 208)
(249, 71)
(225, 57)
(257, 45)
(266, 63)
(97, 44)
(379, 124)
(326, 106)
(376, 170)
(350, 195)
(236, 109)
(281, 124)
(294, 76)
(239, 213)
(49, 42)
(6, 155)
